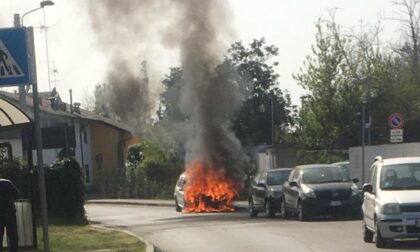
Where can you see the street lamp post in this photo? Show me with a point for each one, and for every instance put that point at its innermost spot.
(41, 6)
(38, 137)
(46, 46)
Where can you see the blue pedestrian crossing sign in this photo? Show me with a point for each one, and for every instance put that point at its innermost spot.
(14, 64)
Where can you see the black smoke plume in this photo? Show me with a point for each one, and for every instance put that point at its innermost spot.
(200, 31)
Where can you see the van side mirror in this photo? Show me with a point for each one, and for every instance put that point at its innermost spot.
(355, 180)
(367, 188)
(293, 184)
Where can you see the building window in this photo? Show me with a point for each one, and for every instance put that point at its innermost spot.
(87, 174)
(85, 137)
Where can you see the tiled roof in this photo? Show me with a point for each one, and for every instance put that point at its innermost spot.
(45, 106)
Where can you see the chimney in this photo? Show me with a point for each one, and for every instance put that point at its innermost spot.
(71, 101)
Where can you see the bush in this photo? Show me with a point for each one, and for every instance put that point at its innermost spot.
(65, 195)
(150, 172)
(14, 171)
(64, 187)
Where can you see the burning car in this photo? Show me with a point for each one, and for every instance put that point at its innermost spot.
(203, 188)
(179, 193)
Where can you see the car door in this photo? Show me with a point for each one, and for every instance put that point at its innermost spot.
(253, 187)
(260, 190)
(288, 190)
(369, 199)
(179, 192)
(294, 190)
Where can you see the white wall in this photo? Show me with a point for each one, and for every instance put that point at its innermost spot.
(264, 162)
(386, 151)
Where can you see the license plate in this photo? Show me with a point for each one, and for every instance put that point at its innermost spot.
(335, 203)
(417, 223)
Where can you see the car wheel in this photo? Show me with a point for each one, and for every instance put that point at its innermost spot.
(302, 215)
(269, 211)
(380, 241)
(283, 210)
(252, 211)
(367, 234)
(177, 207)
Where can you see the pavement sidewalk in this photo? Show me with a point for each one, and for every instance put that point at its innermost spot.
(240, 205)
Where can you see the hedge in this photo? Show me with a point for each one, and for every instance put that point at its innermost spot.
(64, 187)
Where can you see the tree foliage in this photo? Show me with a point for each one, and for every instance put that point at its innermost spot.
(266, 105)
(346, 70)
(252, 68)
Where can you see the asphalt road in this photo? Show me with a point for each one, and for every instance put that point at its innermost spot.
(172, 231)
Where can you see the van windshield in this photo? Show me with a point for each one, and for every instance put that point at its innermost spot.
(317, 175)
(400, 177)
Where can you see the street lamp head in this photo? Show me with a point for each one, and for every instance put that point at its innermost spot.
(46, 3)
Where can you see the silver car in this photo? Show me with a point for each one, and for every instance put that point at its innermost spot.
(391, 204)
(179, 193)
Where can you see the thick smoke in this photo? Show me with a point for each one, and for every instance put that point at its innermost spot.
(200, 31)
(125, 32)
(208, 98)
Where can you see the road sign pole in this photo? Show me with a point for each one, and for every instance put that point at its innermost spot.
(38, 138)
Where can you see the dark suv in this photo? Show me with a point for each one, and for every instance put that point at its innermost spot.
(318, 190)
(265, 191)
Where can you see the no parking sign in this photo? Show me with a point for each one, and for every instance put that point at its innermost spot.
(395, 121)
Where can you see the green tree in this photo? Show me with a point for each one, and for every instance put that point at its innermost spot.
(101, 94)
(327, 115)
(255, 68)
(345, 71)
(252, 68)
(168, 107)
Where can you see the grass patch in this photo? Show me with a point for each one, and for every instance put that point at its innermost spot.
(88, 238)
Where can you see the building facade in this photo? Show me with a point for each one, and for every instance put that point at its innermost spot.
(98, 143)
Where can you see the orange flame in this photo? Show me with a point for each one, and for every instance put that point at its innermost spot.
(208, 190)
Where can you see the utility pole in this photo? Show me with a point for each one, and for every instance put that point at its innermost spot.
(272, 121)
(273, 152)
(363, 140)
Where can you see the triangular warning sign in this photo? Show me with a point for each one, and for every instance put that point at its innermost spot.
(8, 66)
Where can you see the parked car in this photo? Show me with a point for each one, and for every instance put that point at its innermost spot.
(314, 190)
(179, 193)
(265, 191)
(391, 204)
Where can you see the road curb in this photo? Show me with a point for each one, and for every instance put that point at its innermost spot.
(240, 206)
(149, 246)
(122, 202)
